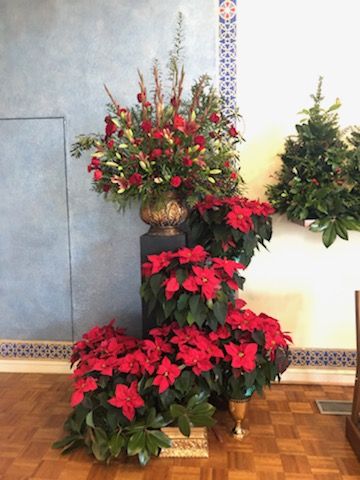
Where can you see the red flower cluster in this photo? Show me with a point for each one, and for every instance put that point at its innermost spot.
(107, 351)
(164, 146)
(239, 210)
(232, 227)
(203, 274)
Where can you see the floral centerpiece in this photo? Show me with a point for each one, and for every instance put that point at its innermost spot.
(231, 227)
(166, 143)
(320, 174)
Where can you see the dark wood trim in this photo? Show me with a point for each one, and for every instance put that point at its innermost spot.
(353, 423)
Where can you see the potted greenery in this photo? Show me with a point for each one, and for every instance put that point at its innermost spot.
(320, 174)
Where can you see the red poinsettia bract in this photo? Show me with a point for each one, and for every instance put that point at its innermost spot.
(128, 399)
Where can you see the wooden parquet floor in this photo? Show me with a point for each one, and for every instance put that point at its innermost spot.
(289, 439)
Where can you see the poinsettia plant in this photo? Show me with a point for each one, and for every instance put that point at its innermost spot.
(126, 390)
(320, 174)
(190, 286)
(231, 227)
(167, 142)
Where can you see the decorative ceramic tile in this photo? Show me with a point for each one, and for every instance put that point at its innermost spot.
(324, 358)
(48, 350)
(44, 350)
(227, 54)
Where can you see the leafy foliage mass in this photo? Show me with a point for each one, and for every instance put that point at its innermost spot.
(320, 174)
(231, 227)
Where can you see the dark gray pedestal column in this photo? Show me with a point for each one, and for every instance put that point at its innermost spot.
(152, 245)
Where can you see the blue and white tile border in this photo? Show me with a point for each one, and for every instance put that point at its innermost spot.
(303, 358)
(227, 54)
(50, 350)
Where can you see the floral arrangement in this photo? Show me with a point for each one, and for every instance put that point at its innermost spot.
(165, 143)
(320, 174)
(190, 286)
(126, 390)
(231, 227)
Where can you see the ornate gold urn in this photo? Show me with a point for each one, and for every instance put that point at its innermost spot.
(164, 214)
(238, 409)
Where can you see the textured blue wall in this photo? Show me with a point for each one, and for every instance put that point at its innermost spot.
(55, 56)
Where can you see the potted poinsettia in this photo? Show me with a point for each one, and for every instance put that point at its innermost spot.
(190, 286)
(126, 391)
(231, 227)
(319, 177)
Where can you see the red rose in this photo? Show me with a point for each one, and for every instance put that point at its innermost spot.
(158, 134)
(199, 140)
(147, 104)
(157, 152)
(176, 181)
(177, 141)
(233, 176)
(315, 181)
(135, 179)
(233, 132)
(146, 125)
(98, 175)
(168, 152)
(110, 143)
(227, 164)
(212, 134)
(95, 162)
(120, 133)
(214, 118)
(187, 162)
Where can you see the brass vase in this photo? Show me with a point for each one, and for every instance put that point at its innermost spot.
(164, 214)
(238, 409)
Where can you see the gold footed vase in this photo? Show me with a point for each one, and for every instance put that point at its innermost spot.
(164, 214)
(238, 409)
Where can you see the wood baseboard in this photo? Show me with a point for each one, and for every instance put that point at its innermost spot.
(299, 375)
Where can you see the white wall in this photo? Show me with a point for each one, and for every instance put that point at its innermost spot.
(283, 48)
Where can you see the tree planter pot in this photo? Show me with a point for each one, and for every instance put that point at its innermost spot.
(305, 223)
(195, 446)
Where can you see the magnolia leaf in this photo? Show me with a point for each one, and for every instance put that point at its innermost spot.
(116, 443)
(144, 457)
(90, 420)
(136, 443)
(177, 410)
(162, 440)
(66, 441)
(329, 235)
(341, 230)
(184, 425)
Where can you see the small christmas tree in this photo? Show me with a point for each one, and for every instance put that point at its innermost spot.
(320, 174)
